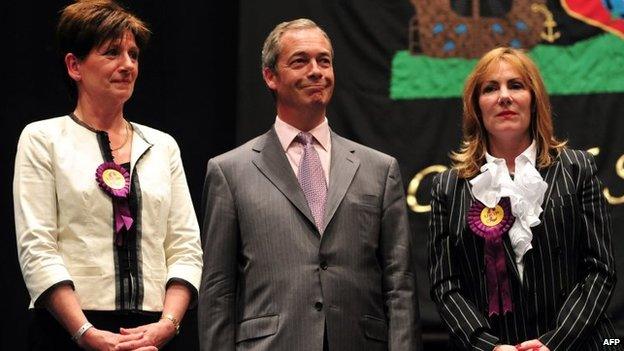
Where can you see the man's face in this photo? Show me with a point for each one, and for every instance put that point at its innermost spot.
(304, 73)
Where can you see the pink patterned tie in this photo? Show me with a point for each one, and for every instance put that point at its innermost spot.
(312, 178)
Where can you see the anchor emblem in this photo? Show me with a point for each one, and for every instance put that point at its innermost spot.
(550, 24)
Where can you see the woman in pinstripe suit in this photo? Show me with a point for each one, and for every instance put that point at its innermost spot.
(555, 272)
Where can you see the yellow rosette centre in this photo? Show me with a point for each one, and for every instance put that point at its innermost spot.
(492, 216)
(115, 180)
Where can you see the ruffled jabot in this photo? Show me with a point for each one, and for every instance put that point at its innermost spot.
(526, 194)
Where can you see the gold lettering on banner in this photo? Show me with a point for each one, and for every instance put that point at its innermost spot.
(412, 188)
(619, 169)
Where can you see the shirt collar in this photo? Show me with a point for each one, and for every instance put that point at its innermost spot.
(287, 133)
(529, 154)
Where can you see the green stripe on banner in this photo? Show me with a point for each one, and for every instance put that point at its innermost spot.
(594, 65)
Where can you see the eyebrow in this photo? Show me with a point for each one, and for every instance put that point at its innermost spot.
(305, 53)
(299, 53)
(508, 80)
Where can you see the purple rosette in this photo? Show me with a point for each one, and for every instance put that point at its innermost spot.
(115, 181)
(491, 224)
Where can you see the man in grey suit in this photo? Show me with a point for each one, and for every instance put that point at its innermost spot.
(305, 233)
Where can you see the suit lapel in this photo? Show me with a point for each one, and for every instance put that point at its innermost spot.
(344, 164)
(467, 198)
(272, 162)
(549, 174)
(139, 146)
(511, 258)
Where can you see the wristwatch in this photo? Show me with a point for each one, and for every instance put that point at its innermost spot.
(173, 320)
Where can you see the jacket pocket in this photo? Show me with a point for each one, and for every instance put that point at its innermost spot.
(257, 328)
(366, 200)
(375, 328)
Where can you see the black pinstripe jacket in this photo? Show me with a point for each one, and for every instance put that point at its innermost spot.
(569, 274)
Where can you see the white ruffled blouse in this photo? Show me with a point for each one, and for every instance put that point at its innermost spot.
(525, 191)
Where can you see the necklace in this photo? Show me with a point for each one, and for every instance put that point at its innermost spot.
(125, 139)
(127, 126)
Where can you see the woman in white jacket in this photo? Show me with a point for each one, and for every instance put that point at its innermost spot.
(107, 237)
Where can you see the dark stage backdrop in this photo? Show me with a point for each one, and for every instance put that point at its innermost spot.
(200, 81)
(399, 74)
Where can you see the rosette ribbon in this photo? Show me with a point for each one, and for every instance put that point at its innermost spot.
(491, 224)
(115, 181)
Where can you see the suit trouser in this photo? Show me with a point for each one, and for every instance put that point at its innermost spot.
(325, 343)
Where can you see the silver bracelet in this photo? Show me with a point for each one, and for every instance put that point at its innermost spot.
(83, 329)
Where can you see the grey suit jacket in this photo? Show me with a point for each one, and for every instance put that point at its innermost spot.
(271, 281)
(569, 274)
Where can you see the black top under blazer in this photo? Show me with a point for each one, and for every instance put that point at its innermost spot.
(569, 273)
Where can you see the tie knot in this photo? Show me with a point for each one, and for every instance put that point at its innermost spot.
(304, 138)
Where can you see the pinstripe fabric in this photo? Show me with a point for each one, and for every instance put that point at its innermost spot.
(272, 282)
(569, 273)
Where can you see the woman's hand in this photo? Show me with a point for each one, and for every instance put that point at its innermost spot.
(504, 348)
(154, 334)
(102, 340)
(157, 334)
(532, 345)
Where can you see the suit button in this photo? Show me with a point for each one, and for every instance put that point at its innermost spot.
(562, 293)
(318, 305)
(324, 265)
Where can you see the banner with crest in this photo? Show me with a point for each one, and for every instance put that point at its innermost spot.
(400, 66)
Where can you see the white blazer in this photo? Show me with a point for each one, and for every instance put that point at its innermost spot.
(63, 220)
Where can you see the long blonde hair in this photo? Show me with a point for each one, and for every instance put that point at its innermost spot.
(471, 155)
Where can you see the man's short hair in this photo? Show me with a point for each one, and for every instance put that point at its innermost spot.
(271, 48)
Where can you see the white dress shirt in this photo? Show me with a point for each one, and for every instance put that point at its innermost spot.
(526, 194)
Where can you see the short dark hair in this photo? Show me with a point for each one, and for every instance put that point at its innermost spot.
(87, 24)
